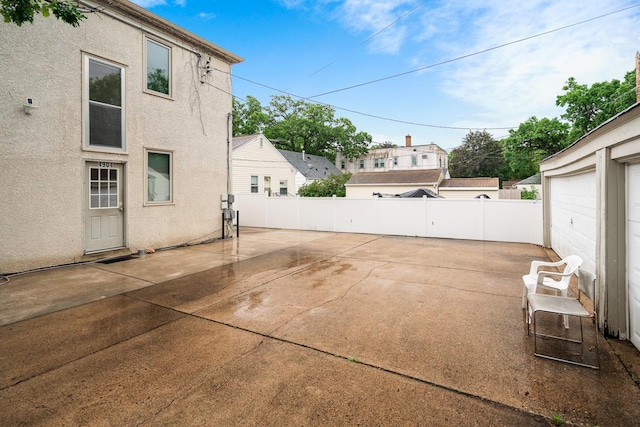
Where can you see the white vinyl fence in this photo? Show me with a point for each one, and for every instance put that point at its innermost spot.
(473, 219)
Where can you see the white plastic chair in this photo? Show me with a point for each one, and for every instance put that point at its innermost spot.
(552, 280)
(565, 306)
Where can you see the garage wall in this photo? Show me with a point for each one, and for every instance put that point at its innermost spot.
(573, 217)
(633, 251)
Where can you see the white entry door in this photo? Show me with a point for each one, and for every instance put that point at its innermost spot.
(633, 251)
(104, 216)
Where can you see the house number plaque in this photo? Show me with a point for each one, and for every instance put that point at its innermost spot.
(105, 164)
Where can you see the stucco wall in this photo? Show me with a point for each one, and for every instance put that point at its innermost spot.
(43, 158)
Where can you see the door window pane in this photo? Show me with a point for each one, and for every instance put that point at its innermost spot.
(103, 188)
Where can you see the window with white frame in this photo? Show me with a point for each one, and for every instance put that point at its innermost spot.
(159, 166)
(342, 164)
(158, 62)
(378, 162)
(254, 183)
(361, 163)
(414, 160)
(284, 187)
(104, 105)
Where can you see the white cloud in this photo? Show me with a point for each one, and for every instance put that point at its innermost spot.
(182, 3)
(512, 83)
(206, 15)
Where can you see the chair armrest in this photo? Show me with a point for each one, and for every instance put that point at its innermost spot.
(543, 274)
(537, 264)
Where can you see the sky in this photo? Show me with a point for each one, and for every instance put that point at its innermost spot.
(434, 70)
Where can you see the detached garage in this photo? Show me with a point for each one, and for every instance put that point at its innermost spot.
(591, 193)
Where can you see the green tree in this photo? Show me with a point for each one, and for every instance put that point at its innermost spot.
(297, 125)
(21, 11)
(589, 106)
(479, 156)
(249, 118)
(386, 144)
(533, 141)
(327, 187)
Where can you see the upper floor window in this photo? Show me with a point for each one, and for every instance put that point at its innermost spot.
(378, 162)
(104, 105)
(158, 61)
(342, 164)
(395, 161)
(361, 163)
(414, 160)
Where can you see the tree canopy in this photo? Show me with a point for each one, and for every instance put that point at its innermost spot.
(327, 187)
(21, 11)
(480, 155)
(587, 107)
(533, 141)
(298, 125)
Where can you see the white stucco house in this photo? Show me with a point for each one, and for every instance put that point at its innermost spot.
(591, 199)
(113, 136)
(259, 167)
(409, 157)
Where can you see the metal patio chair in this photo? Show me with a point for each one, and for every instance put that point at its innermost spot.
(553, 280)
(569, 307)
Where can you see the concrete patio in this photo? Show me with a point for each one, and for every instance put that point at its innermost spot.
(298, 328)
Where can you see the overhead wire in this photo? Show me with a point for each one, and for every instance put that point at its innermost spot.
(310, 98)
(474, 53)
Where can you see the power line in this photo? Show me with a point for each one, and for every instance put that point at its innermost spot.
(365, 114)
(473, 54)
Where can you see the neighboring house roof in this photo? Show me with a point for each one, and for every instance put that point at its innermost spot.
(532, 180)
(310, 165)
(239, 141)
(470, 183)
(510, 184)
(417, 177)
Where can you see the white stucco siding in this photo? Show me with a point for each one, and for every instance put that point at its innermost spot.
(254, 159)
(43, 157)
(573, 217)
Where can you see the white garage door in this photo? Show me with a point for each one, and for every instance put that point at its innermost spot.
(633, 251)
(573, 217)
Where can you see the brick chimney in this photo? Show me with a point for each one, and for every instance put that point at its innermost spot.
(637, 76)
(407, 140)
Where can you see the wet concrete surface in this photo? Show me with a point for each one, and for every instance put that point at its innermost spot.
(284, 327)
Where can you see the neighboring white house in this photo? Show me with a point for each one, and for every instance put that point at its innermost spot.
(309, 167)
(409, 157)
(365, 184)
(591, 199)
(532, 183)
(114, 136)
(469, 188)
(258, 167)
